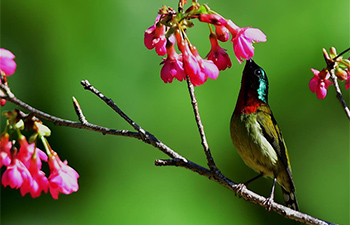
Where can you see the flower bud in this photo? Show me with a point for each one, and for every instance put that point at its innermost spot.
(341, 74)
(213, 19)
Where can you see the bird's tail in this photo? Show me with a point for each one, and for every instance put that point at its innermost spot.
(290, 199)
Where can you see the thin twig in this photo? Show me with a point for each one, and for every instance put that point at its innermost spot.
(210, 159)
(112, 105)
(78, 111)
(62, 122)
(176, 158)
(339, 94)
(330, 67)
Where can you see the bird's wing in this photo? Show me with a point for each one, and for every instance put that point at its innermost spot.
(273, 135)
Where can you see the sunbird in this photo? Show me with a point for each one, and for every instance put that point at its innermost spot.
(257, 136)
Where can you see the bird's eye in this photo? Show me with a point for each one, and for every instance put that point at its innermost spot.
(257, 72)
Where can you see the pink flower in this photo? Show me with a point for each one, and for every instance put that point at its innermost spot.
(212, 19)
(40, 182)
(319, 83)
(195, 67)
(222, 33)
(63, 178)
(155, 37)
(173, 66)
(16, 175)
(207, 66)
(207, 69)
(347, 82)
(26, 151)
(218, 55)
(190, 63)
(5, 146)
(7, 64)
(243, 39)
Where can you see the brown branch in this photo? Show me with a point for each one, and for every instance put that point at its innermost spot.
(207, 152)
(330, 67)
(339, 94)
(176, 158)
(78, 111)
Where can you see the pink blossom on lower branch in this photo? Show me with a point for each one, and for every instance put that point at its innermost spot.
(16, 175)
(7, 64)
(40, 182)
(5, 146)
(319, 83)
(347, 82)
(63, 178)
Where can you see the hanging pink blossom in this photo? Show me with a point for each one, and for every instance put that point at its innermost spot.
(319, 83)
(243, 39)
(218, 55)
(16, 175)
(63, 178)
(172, 66)
(155, 37)
(40, 182)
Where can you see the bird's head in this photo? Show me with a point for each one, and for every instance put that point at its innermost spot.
(254, 80)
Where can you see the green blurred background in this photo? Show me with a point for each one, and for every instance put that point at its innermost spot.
(59, 43)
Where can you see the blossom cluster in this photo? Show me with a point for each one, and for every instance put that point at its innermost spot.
(170, 27)
(22, 159)
(340, 67)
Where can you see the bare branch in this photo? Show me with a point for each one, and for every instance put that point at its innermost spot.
(339, 94)
(176, 158)
(78, 111)
(62, 122)
(330, 67)
(210, 159)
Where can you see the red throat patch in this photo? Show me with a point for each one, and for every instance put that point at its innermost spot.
(251, 106)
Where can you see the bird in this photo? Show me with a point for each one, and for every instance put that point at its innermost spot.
(257, 136)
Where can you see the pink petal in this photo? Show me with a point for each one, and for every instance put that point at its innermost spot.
(7, 65)
(148, 38)
(321, 92)
(210, 69)
(316, 72)
(255, 35)
(165, 73)
(313, 84)
(6, 53)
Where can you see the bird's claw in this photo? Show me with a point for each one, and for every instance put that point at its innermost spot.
(239, 188)
(268, 203)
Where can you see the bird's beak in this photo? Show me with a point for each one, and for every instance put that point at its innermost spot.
(249, 63)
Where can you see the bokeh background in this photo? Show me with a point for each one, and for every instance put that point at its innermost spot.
(59, 43)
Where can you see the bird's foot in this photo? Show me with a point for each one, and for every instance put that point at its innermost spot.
(268, 203)
(239, 188)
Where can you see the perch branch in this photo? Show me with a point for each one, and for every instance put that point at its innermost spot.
(176, 158)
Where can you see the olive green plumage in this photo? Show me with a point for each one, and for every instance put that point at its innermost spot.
(256, 134)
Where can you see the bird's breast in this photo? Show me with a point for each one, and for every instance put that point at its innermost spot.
(251, 144)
